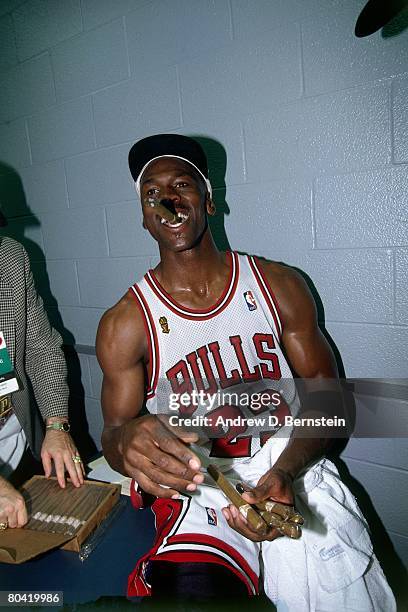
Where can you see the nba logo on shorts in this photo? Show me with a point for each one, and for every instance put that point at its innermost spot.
(211, 516)
(250, 300)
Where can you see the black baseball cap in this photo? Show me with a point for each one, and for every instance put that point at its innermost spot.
(148, 149)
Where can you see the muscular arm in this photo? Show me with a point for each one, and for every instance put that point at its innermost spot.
(310, 357)
(145, 448)
(120, 348)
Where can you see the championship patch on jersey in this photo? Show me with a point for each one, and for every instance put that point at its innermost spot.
(211, 516)
(164, 325)
(250, 300)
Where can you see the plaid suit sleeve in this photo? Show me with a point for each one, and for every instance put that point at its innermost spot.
(45, 363)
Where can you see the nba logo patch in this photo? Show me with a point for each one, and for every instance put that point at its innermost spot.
(250, 300)
(211, 516)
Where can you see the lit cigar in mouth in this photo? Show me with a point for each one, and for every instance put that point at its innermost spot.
(162, 210)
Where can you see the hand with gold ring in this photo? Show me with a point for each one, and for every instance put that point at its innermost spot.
(59, 447)
(13, 512)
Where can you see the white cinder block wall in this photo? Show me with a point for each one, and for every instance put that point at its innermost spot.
(314, 124)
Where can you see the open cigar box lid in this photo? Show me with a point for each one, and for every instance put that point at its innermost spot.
(19, 545)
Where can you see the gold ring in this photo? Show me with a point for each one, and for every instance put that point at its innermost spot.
(4, 526)
(76, 459)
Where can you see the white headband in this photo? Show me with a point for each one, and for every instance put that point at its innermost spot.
(206, 180)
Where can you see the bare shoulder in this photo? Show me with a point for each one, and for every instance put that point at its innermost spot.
(290, 290)
(121, 336)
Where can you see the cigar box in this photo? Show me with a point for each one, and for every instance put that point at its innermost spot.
(79, 510)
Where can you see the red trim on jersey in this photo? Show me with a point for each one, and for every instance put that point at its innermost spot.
(215, 544)
(166, 511)
(153, 346)
(194, 556)
(267, 293)
(197, 314)
(135, 495)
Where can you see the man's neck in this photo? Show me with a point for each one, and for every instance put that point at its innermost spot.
(201, 270)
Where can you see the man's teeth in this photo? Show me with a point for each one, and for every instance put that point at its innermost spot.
(182, 216)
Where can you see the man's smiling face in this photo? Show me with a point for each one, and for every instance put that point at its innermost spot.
(175, 180)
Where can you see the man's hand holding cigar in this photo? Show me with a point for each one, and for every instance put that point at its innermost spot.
(257, 523)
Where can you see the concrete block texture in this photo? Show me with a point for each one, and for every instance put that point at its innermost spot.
(80, 324)
(277, 212)
(103, 282)
(366, 209)
(14, 145)
(381, 484)
(154, 31)
(97, 12)
(127, 237)
(334, 58)
(85, 374)
(242, 77)
(41, 24)
(8, 49)
(13, 200)
(372, 351)
(72, 234)
(108, 170)
(63, 279)
(250, 18)
(392, 452)
(338, 132)
(27, 88)
(94, 417)
(401, 288)
(363, 282)
(90, 61)
(44, 187)
(7, 6)
(139, 107)
(400, 119)
(401, 546)
(380, 417)
(28, 231)
(96, 376)
(42, 284)
(62, 131)
(223, 143)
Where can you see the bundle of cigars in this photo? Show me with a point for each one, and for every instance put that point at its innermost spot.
(57, 517)
(262, 516)
(58, 510)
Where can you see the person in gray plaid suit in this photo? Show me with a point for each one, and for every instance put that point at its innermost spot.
(34, 348)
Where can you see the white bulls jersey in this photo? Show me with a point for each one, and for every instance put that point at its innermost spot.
(235, 346)
(223, 367)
